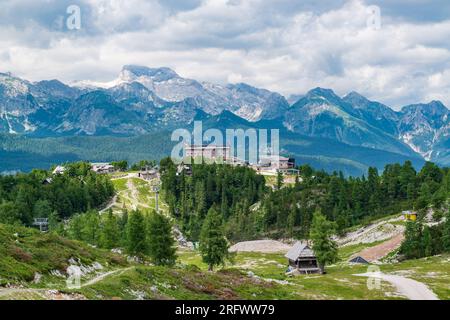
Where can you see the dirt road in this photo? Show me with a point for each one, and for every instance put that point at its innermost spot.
(412, 289)
(383, 249)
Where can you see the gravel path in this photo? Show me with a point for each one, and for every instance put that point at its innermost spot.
(263, 246)
(412, 289)
(383, 249)
(110, 204)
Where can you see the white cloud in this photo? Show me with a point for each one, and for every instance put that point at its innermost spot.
(279, 45)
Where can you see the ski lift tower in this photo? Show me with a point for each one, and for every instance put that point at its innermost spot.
(156, 187)
(42, 223)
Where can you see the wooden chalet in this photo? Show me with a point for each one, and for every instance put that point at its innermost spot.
(302, 258)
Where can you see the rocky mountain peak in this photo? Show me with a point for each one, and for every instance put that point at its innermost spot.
(131, 72)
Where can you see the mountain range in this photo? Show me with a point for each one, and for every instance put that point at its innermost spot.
(147, 101)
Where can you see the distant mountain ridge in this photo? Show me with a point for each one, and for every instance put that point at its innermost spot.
(147, 100)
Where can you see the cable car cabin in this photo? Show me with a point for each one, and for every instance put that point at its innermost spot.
(302, 258)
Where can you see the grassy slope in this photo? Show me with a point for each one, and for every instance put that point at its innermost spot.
(186, 282)
(143, 198)
(340, 282)
(25, 252)
(30, 252)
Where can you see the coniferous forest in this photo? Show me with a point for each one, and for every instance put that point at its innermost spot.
(245, 206)
(41, 194)
(251, 210)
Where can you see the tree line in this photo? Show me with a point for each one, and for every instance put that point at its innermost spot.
(425, 239)
(250, 209)
(229, 190)
(350, 201)
(140, 234)
(41, 194)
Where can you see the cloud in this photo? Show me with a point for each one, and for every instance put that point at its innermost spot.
(286, 46)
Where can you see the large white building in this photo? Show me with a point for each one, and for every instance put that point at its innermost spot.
(269, 163)
(102, 168)
(208, 152)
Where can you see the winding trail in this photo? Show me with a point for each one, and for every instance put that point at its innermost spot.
(110, 204)
(104, 275)
(42, 291)
(412, 289)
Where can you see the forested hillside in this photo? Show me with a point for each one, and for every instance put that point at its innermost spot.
(251, 210)
(41, 194)
(21, 153)
(230, 189)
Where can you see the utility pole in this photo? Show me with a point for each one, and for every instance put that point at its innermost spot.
(155, 189)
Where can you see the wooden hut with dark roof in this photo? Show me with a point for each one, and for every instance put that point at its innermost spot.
(302, 258)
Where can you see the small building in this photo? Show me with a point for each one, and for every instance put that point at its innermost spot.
(59, 170)
(302, 258)
(102, 168)
(410, 215)
(148, 174)
(276, 163)
(47, 181)
(359, 259)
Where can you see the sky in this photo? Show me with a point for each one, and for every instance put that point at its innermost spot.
(395, 52)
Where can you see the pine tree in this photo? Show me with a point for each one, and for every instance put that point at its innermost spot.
(160, 241)
(54, 225)
(446, 232)
(136, 235)
(9, 213)
(323, 246)
(213, 244)
(76, 227)
(200, 198)
(42, 209)
(110, 233)
(424, 196)
(427, 242)
(412, 245)
(91, 227)
(280, 180)
(291, 221)
(224, 205)
(122, 223)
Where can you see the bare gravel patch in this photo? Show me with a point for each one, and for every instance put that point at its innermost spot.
(262, 246)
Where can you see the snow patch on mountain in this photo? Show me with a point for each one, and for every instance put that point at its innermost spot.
(408, 138)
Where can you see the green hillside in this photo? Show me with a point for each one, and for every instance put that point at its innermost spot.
(25, 252)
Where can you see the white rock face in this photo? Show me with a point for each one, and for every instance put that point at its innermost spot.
(245, 101)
